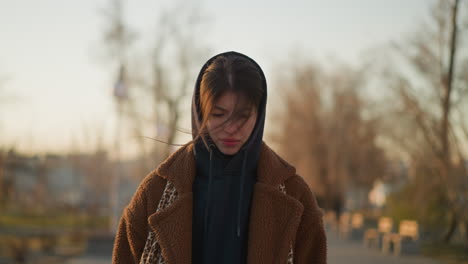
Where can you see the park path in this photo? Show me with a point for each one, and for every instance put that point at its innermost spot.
(339, 252)
(353, 252)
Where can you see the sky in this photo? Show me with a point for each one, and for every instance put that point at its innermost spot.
(58, 88)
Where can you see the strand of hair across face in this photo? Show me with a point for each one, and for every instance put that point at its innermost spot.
(164, 142)
(181, 130)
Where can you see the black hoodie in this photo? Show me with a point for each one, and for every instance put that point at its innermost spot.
(223, 188)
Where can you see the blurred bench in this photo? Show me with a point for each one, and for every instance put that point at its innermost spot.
(344, 225)
(406, 241)
(373, 236)
(330, 221)
(357, 226)
(351, 226)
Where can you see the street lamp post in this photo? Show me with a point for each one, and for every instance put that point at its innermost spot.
(120, 95)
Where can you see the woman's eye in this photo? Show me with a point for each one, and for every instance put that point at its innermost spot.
(217, 115)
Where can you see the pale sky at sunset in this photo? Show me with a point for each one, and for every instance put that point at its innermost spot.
(49, 50)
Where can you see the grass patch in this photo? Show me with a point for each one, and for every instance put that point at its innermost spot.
(53, 220)
(452, 254)
(63, 232)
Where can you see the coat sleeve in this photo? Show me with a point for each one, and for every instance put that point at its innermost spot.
(311, 241)
(133, 227)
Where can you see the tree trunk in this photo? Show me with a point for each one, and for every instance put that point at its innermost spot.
(446, 107)
(466, 234)
(452, 228)
(447, 86)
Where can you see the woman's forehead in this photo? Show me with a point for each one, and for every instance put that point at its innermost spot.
(230, 100)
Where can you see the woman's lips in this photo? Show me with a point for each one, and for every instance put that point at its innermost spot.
(230, 142)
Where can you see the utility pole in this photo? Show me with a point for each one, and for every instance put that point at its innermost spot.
(120, 95)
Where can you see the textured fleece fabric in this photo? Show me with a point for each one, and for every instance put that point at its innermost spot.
(276, 219)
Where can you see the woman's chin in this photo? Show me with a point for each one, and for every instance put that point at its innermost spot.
(228, 150)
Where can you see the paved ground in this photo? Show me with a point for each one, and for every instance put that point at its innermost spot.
(99, 251)
(90, 260)
(339, 252)
(348, 252)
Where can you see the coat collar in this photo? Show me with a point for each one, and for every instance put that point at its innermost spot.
(180, 168)
(274, 218)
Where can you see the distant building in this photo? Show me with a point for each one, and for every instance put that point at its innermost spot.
(49, 181)
(65, 182)
(19, 178)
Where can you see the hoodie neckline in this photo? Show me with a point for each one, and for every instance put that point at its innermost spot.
(180, 168)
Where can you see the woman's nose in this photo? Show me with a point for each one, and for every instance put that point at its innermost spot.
(231, 127)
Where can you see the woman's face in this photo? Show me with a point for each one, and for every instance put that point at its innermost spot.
(230, 136)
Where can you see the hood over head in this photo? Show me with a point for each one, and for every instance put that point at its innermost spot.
(256, 138)
(245, 161)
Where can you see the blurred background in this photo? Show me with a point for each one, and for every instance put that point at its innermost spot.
(367, 98)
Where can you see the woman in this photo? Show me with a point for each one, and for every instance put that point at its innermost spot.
(225, 197)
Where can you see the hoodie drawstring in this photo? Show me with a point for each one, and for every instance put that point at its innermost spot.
(241, 193)
(210, 175)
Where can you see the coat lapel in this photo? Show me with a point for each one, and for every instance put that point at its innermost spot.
(173, 225)
(274, 216)
(173, 229)
(274, 219)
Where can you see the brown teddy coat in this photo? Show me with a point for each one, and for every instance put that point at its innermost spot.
(276, 219)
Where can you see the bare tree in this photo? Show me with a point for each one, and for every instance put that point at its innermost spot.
(175, 57)
(158, 96)
(324, 132)
(431, 89)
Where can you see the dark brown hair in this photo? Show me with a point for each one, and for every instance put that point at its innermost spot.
(229, 73)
